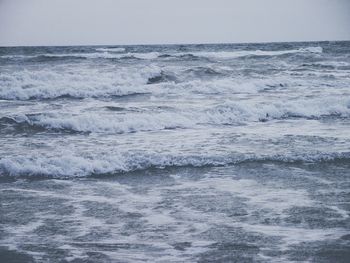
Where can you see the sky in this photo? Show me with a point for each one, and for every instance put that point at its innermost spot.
(117, 22)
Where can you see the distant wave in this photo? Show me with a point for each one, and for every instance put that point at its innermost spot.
(116, 53)
(97, 55)
(17, 56)
(112, 49)
(245, 53)
(67, 165)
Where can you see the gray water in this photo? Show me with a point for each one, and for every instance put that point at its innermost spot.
(185, 153)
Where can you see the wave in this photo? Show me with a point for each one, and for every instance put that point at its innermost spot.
(17, 56)
(162, 77)
(241, 53)
(92, 83)
(97, 55)
(117, 53)
(203, 71)
(115, 108)
(47, 92)
(331, 65)
(236, 112)
(101, 55)
(53, 58)
(18, 125)
(186, 75)
(229, 113)
(47, 57)
(97, 123)
(68, 165)
(245, 53)
(237, 54)
(47, 84)
(111, 49)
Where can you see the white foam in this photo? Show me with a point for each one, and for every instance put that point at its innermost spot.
(66, 163)
(110, 53)
(113, 124)
(112, 49)
(294, 235)
(17, 56)
(244, 53)
(78, 82)
(232, 113)
(256, 195)
(166, 214)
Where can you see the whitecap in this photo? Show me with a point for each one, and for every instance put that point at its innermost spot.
(111, 49)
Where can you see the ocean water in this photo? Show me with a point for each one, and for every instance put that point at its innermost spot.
(179, 153)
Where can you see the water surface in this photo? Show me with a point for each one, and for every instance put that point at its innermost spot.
(197, 153)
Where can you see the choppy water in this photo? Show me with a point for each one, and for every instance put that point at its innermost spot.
(197, 153)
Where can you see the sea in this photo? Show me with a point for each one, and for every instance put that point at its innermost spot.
(175, 153)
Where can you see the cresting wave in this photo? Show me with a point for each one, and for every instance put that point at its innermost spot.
(97, 123)
(48, 84)
(117, 53)
(69, 165)
(199, 106)
(130, 121)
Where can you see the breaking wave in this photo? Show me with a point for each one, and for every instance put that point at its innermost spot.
(94, 83)
(47, 84)
(98, 123)
(229, 113)
(68, 165)
(201, 106)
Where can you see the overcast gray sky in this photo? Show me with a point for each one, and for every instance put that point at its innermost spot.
(75, 22)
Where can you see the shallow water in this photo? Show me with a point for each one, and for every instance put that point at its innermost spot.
(197, 153)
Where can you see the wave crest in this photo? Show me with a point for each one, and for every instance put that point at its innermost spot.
(229, 113)
(68, 165)
(47, 84)
(118, 53)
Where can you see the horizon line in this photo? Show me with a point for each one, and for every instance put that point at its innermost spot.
(177, 44)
